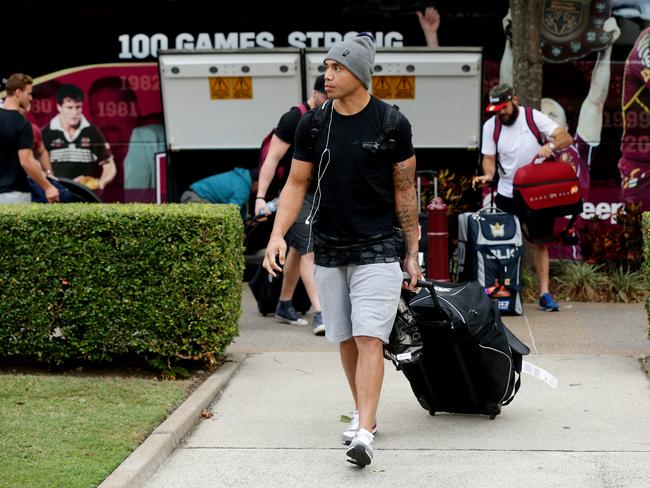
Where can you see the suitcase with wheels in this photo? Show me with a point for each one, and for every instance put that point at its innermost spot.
(455, 351)
(491, 250)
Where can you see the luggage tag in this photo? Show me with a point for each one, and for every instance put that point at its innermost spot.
(539, 373)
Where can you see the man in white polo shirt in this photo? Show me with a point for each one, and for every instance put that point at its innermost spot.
(510, 135)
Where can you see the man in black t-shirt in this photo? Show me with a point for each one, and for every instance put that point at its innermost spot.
(16, 141)
(300, 259)
(361, 194)
(77, 148)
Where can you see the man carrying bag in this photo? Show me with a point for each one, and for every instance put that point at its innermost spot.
(515, 134)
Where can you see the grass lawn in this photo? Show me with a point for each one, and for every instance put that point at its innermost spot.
(73, 430)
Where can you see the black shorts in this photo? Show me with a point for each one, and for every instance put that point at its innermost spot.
(539, 232)
(298, 235)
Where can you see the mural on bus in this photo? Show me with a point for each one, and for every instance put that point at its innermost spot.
(122, 101)
(596, 73)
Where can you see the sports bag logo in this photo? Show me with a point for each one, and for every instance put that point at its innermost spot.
(502, 254)
(498, 229)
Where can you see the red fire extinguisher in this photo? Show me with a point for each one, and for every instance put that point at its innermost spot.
(437, 241)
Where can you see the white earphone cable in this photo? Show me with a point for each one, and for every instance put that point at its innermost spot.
(315, 205)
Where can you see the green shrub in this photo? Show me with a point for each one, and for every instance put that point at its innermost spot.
(581, 281)
(96, 282)
(626, 285)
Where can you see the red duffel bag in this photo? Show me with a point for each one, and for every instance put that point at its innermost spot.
(546, 190)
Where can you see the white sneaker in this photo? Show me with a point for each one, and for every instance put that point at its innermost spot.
(360, 452)
(352, 429)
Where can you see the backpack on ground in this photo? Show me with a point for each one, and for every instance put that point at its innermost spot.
(454, 349)
(491, 250)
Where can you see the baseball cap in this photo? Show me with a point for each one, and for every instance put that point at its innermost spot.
(500, 95)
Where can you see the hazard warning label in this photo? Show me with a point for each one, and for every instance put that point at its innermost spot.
(231, 87)
(393, 87)
(382, 87)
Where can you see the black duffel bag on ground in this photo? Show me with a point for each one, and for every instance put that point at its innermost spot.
(469, 362)
(266, 291)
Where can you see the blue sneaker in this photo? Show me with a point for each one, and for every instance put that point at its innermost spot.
(548, 304)
(285, 312)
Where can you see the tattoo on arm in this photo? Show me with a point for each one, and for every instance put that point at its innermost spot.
(406, 205)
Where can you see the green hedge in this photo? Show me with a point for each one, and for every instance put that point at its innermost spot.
(646, 261)
(95, 282)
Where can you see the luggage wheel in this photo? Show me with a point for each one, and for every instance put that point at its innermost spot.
(432, 412)
(494, 409)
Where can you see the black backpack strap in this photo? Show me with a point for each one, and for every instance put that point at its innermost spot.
(318, 122)
(533, 126)
(569, 225)
(388, 138)
(497, 131)
(392, 119)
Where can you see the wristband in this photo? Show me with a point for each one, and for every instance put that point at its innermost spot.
(259, 198)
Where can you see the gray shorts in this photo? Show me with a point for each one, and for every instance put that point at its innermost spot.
(359, 300)
(298, 235)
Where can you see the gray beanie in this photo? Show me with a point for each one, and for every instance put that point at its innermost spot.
(356, 54)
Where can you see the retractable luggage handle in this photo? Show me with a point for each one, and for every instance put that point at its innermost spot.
(492, 208)
(429, 285)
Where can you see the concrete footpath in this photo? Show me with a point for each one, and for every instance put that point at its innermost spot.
(277, 423)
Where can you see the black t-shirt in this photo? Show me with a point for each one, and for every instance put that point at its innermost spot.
(357, 195)
(286, 131)
(15, 134)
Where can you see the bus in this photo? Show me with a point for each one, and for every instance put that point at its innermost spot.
(109, 50)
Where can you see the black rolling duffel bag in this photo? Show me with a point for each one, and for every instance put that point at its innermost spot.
(450, 343)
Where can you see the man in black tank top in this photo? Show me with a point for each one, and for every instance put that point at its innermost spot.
(364, 210)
